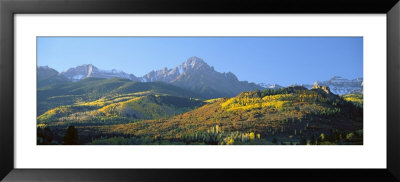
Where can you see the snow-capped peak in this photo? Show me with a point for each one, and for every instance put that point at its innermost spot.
(340, 86)
(166, 75)
(270, 86)
(194, 63)
(89, 70)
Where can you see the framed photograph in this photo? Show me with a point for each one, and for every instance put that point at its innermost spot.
(106, 91)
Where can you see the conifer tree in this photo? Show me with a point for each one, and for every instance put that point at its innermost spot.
(71, 137)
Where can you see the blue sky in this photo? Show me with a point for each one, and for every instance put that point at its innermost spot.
(282, 60)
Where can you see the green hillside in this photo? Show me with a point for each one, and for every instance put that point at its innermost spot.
(91, 89)
(123, 108)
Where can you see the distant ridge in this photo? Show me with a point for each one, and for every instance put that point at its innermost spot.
(88, 70)
(341, 86)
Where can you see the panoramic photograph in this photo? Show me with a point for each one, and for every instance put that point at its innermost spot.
(199, 91)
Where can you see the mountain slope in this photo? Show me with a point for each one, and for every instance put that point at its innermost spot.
(291, 115)
(48, 76)
(197, 76)
(91, 89)
(118, 109)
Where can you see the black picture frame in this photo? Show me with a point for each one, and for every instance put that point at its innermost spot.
(8, 8)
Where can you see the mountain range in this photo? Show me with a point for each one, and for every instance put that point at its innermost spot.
(171, 106)
(341, 86)
(88, 70)
(194, 74)
(337, 84)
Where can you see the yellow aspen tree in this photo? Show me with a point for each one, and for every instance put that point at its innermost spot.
(251, 136)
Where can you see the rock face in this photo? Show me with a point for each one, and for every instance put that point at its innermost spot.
(196, 75)
(192, 65)
(323, 88)
(88, 70)
(341, 86)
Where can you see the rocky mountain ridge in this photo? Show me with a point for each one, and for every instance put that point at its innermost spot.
(194, 74)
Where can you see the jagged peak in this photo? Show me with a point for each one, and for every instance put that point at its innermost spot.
(83, 66)
(194, 62)
(323, 88)
(195, 59)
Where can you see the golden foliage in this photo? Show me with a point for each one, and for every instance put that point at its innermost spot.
(41, 125)
(355, 98)
(248, 103)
